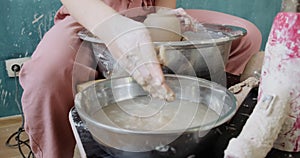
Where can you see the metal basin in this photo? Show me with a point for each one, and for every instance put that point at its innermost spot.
(203, 53)
(179, 142)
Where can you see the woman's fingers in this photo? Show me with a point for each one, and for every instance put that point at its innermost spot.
(156, 83)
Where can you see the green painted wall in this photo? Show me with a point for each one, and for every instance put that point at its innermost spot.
(24, 22)
(259, 12)
(22, 25)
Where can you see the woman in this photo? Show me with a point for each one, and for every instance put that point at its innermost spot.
(48, 79)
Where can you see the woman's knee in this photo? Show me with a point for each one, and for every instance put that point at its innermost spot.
(41, 72)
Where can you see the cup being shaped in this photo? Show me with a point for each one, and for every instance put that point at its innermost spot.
(163, 27)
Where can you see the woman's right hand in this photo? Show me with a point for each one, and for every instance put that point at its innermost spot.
(128, 41)
(130, 44)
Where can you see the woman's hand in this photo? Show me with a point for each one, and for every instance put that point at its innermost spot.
(128, 41)
(130, 44)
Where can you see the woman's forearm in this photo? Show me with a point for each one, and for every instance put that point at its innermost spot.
(166, 3)
(89, 13)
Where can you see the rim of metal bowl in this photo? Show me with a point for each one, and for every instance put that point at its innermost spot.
(230, 33)
(205, 127)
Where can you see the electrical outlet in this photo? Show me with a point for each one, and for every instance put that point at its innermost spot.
(13, 66)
